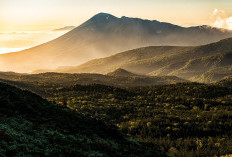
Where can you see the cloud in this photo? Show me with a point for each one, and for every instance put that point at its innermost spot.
(25, 33)
(67, 28)
(16, 43)
(221, 20)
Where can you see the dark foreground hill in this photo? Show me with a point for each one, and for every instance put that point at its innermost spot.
(207, 63)
(104, 35)
(32, 126)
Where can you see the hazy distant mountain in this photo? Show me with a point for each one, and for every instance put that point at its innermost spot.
(206, 63)
(104, 35)
(122, 72)
(66, 28)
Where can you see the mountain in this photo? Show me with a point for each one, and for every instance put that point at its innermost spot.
(32, 126)
(104, 35)
(207, 63)
(117, 78)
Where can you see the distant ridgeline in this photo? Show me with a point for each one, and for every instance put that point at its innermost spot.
(207, 63)
(119, 77)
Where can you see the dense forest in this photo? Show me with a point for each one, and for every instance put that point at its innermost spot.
(184, 119)
(32, 126)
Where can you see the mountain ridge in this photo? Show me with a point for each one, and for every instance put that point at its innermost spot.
(207, 63)
(113, 79)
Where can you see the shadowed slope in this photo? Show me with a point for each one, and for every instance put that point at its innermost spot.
(31, 126)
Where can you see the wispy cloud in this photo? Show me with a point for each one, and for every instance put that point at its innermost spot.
(221, 20)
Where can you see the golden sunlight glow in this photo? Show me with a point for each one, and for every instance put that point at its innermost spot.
(7, 50)
(229, 23)
(16, 41)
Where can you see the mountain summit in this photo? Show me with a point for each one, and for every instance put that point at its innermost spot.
(122, 73)
(104, 35)
(103, 16)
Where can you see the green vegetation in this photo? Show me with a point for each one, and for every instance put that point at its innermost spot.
(184, 119)
(32, 126)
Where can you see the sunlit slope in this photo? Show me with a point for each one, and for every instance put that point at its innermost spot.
(205, 63)
(104, 35)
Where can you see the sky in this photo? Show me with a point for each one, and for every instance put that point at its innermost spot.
(25, 23)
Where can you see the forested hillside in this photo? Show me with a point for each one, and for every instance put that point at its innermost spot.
(184, 119)
(32, 126)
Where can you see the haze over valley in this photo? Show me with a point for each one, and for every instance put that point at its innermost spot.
(144, 78)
